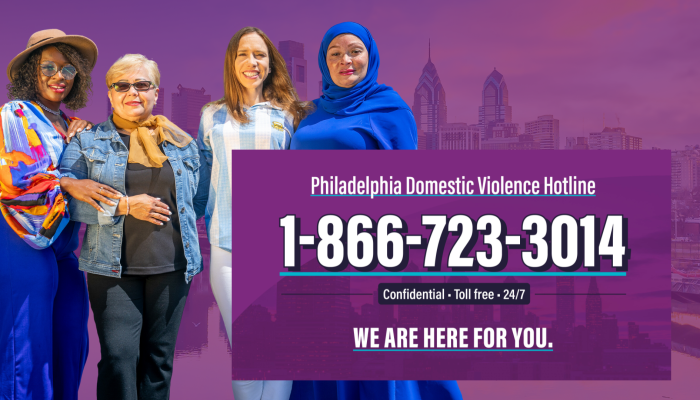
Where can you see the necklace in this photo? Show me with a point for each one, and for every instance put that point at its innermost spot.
(56, 113)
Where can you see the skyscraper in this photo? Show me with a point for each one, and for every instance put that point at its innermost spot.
(594, 311)
(187, 108)
(544, 130)
(429, 104)
(685, 169)
(494, 102)
(293, 54)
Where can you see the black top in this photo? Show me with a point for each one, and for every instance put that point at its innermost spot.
(149, 249)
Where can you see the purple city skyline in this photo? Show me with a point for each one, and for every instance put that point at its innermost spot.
(580, 61)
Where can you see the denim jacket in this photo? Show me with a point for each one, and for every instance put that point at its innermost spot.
(99, 154)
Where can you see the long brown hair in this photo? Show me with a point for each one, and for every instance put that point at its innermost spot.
(277, 87)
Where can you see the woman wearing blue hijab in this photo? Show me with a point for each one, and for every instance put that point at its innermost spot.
(355, 112)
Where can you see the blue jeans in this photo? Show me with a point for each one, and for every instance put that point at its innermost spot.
(43, 318)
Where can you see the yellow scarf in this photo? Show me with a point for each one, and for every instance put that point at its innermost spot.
(143, 147)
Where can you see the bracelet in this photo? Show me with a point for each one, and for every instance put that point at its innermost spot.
(127, 205)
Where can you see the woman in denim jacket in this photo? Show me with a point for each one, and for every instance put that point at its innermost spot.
(137, 251)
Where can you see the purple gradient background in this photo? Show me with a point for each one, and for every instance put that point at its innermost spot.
(633, 184)
(579, 60)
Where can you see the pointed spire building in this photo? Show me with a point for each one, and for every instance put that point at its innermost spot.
(429, 104)
(494, 102)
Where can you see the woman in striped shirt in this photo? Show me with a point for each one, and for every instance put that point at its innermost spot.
(260, 110)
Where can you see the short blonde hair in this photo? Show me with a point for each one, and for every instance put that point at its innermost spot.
(130, 62)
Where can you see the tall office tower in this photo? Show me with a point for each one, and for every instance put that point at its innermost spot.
(685, 169)
(594, 311)
(429, 104)
(293, 54)
(494, 102)
(566, 316)
(544, 130)
(459, 136)
(159, 108)
(186, 108)
(613, 139)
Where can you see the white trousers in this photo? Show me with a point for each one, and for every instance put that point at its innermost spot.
(220, 280)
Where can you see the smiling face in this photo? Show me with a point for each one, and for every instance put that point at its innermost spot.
(133, 105)
(51, 90)
(347, 60)
(252, 64)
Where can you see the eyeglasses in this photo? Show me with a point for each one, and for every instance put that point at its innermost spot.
(49, 68)
(140, 86)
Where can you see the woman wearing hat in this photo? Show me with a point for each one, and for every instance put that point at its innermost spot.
(43, 296)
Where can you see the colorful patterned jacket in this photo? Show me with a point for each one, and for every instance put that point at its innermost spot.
(31, 200)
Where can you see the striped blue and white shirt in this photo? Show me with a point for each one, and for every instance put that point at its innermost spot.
(270, 128)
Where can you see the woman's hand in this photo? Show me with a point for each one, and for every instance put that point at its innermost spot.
(75, 127)
(89, 191)
(147, 208)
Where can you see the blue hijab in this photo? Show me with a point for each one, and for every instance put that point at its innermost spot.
(367, 95)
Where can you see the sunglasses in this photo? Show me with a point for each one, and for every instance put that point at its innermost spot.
(49, 68)
(140, 86)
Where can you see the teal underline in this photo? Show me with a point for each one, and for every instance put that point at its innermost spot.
(453, 350)
(453, 195)
(396, 274)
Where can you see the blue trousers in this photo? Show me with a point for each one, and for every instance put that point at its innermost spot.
(375, 390)
(43, 318)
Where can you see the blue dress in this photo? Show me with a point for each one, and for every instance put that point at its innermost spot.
(366, 116)
(375, 390)
(43, 295)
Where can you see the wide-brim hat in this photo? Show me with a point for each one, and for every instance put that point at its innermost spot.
(85, 47)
